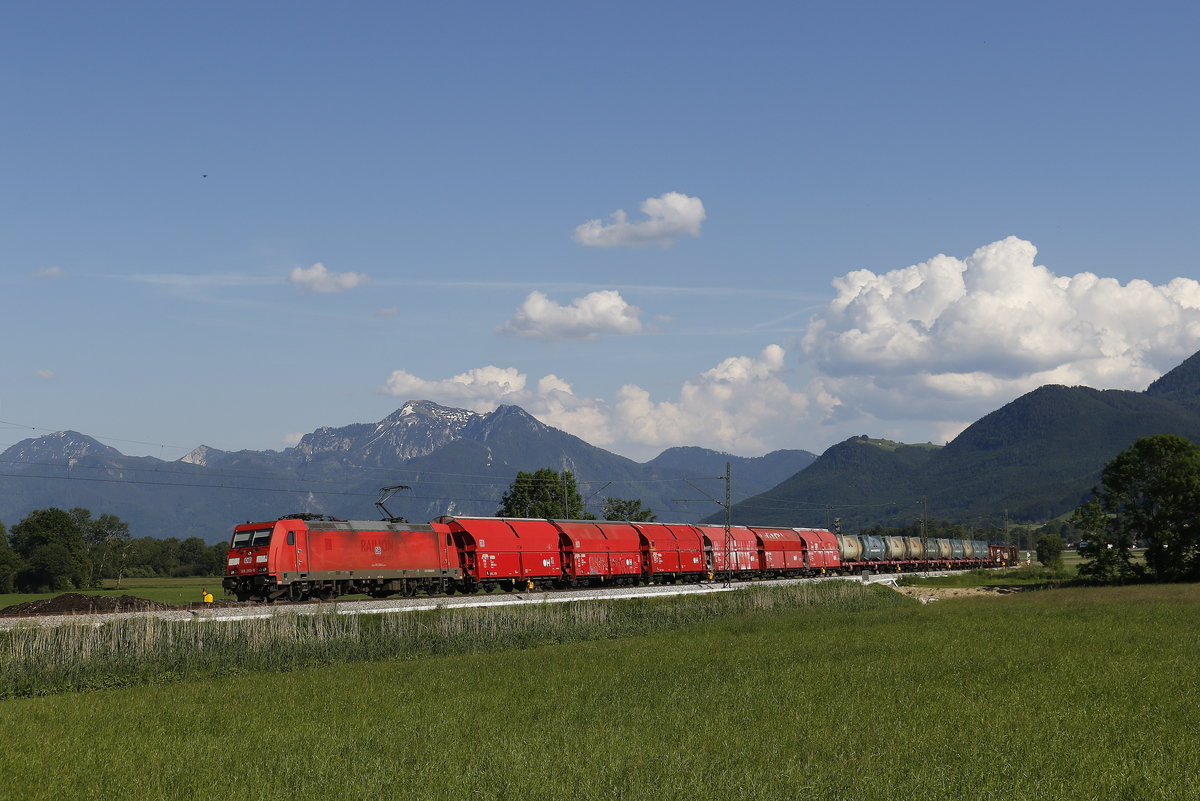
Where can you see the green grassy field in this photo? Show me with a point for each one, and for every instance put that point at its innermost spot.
(1031, 576)
(1070, 693)
(165, 590)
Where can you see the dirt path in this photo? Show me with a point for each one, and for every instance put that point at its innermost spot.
(927, 594)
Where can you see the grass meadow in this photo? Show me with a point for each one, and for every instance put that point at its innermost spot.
(1072, 693)
(1029, 576)
(175, 591)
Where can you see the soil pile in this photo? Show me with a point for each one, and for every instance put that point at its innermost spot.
(74, 603)
(927, 594)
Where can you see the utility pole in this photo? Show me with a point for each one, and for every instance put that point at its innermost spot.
(726, 505)
(924, 517)
(728, 531)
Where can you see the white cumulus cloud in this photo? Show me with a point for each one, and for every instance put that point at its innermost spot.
(47, 272)
(911, 354)
(987, 328)
(668, 217)
(742, 404)
(481, 389)
(551, 399)
(318, 278)
(587, 318)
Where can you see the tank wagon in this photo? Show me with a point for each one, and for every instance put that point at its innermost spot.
(294, 558)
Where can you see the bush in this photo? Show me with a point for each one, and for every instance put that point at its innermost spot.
(1050, 548)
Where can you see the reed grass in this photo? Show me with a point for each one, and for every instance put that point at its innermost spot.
(142, 650)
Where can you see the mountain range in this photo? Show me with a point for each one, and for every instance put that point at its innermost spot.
(454, 460)
(1032, 460)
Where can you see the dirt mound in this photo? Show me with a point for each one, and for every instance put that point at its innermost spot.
(74, 603)
(927, 594)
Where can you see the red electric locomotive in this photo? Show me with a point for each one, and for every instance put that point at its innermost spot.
(295, 558)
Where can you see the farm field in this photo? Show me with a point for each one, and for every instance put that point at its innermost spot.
(1068, 693)
(164, 590)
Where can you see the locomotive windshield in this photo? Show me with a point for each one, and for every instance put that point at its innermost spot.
(251, 538)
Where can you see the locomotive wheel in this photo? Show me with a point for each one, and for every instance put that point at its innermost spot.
(296, 593)
(325, 593)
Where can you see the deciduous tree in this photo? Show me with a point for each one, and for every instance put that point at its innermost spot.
(1050, 548)
(52, 548)
(10, 563)
(544, 493)
(107, 540)
(1150, 491)
(630, 509)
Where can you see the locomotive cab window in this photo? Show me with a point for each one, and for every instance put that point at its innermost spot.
(251, 539)
(291, 538)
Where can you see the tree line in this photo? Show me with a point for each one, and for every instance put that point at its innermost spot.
(56, 550)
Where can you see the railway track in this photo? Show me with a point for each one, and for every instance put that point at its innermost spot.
(252, 611)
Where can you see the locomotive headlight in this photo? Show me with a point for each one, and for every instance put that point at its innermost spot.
(261, 558)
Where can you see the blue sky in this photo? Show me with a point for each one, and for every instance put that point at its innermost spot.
(790, 177)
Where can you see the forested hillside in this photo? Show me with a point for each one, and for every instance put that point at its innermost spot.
(1032, 460)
